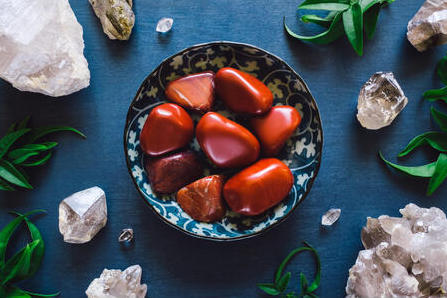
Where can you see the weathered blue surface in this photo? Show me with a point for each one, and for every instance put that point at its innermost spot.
(176, 265)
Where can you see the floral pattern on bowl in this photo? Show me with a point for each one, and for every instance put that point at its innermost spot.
(302, 152)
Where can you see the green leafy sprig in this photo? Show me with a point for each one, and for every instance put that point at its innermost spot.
(19, 149)
(441, 93)
(350, 17)
(24, 263)
(279, 285)
(436, 171)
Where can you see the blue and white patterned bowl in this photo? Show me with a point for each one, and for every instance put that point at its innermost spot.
(302, 152)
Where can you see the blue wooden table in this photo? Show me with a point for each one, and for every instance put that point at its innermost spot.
(175, 265)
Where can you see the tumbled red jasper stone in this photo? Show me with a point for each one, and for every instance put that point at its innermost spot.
(202, 199)
(194, 92)
(258, 187)
(226, 143)
(170, 173)
(242, 93)
(274, 128)
(167, 128)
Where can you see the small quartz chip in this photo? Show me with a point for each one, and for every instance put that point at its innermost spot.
(82, 215)
(428, 27)
(330, 217)
(116, 16)
(118, 284)
(164, 25)
(126, 236)
(381, 99)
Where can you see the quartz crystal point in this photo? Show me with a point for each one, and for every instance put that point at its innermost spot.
(381, 99)
(330, 217)
(126, 236)
(164, 25)
(428, 27)
(82, 215)
(116, 16)
(41, 47)
(403, 257)
(118, 284)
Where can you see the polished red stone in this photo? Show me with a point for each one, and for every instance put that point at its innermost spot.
(202, 199)
(194, 92)
(274, 128)
(168, 127)
(226, 143)
(258, 187)
(170, 173)
(242, 93)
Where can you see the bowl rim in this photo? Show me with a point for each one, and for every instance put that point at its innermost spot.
(246, 236)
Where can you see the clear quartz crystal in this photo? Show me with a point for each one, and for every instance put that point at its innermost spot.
(428, 27)
(41, 47)
(380, 100)
(330, 217)
(82, 215)
(403, 257)
(126, 235)
(118, 284)
(164, 25)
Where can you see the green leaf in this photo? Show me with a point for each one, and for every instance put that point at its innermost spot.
(439, 174)
(367, 4)
(440, 118)
(5, 186)
(334, 5)
(38, 162)
(269, 289)
(40, 248)
(425, 171)
(436, 94)
(324, 22)
(335, 31)
(353, 24)
(21, 154)
(41, 295)
(370, 18)
(8, 140)
(304, 283)
(284, 281)
(12, 175)
(316, 283)
(17, 267)
(441, 69)
(437, 140)
(15, 292)
(43, 131)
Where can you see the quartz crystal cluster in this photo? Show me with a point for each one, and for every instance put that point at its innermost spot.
(118, 284)
(41, 47)
(116, 16)
(82, 215)
(428, 27)
(381, 99)
(403, 257)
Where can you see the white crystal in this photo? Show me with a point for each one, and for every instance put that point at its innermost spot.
(116, 16)
(82, 215)
(164, 25)
(380, 101)
(41, 47)
(428, 27)
(404, 257)
(118, 284)
(330, 217)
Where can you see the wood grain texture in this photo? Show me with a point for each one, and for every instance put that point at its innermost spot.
(175, 265)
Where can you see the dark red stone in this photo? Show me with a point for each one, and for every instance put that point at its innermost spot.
(170, 173)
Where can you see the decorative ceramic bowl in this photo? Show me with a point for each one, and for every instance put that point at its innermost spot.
(302, 153)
